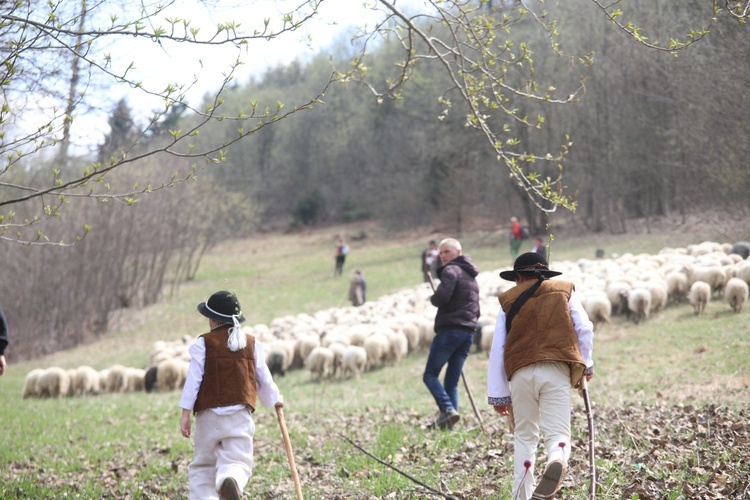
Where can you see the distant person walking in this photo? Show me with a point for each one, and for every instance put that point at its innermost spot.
(357, 289)
(227, 374)
(430, 261)
(3, 341)
(516, 236)
(457, 300)
(539, 247)
(542, 347)
(342, 250)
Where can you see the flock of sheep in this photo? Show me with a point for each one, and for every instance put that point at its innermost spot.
(638, 286)
(344, 342)
(167, 370)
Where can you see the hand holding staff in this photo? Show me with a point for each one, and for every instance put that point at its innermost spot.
(289, 453)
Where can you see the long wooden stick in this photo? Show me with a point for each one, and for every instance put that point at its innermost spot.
(289, 453)
(590, 419)
(473, 405)
(429, 488)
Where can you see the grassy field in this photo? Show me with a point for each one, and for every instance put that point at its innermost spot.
(671, 395)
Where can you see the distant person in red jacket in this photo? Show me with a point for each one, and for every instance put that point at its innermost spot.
(516, 236)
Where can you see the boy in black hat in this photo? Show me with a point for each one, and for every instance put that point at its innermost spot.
(227, 374)
(542, 346)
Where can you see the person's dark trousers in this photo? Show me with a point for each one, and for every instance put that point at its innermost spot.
(451, 347)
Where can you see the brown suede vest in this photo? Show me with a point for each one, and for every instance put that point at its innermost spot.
(228, 377)
(543, 329)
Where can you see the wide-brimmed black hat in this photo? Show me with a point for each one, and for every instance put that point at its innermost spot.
(529, 262)
(222, 306)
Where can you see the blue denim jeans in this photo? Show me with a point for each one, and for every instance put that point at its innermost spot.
(451, 347)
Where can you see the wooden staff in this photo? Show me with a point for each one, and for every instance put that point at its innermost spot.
(463, 377)
(289, 453)
(590, 419)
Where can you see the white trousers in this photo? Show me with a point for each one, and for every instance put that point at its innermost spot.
(541, 400)
(223, 448)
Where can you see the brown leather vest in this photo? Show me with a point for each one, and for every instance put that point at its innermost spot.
(228, 377)
(543, 329)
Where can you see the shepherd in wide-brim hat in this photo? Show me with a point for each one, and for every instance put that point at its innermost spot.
(529, 263)
(223, 307)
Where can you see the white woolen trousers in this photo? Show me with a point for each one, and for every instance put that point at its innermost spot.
(541, 400)
(223, 448)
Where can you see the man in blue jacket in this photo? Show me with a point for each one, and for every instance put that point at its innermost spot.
(457, 300)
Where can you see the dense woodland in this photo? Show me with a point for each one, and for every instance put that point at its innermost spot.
(653, 134)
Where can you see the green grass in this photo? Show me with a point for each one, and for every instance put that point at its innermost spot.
(129, 446)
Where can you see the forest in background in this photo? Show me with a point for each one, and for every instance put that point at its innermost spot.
(653, 135)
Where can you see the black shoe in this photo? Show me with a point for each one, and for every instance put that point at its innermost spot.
(551, 480)
(447, 419)
(229, 490)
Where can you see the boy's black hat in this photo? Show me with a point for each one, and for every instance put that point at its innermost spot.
(222, 306)
(529, 262)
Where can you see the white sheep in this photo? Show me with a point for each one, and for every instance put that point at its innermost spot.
(736, 292)
(377, 347)
(743, 271)
(659, 294)
(677, 286)
(699, 296)
(320, 362)
(713, 275)
(616, 292)
(639, 303)
(85, 381)
(306, 344)
(29, 383)
(398, 347)
(134, 380)
(71, 376)
(338, 356)
(103, 378)
(353, 361)
(116, 379)
(53, 382)
(427, 333)
(488, 333)
(598, 307)
(411, 331)
(171, 374)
